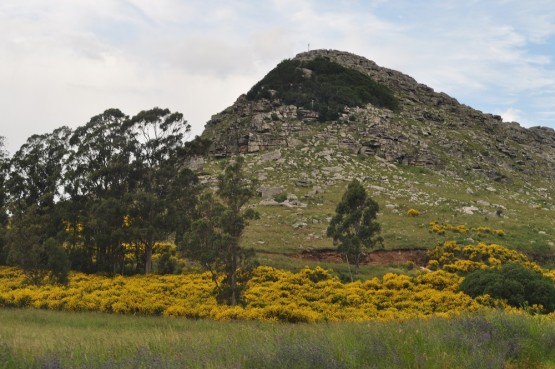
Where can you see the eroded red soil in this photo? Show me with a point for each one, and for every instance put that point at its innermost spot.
(378, 257)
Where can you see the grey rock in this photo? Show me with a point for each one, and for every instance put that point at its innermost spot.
(271, 156)
(469, 209)
(267, 192)
(299, 225)
(303, 182)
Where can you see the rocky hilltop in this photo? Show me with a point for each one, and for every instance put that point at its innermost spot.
(426, 128)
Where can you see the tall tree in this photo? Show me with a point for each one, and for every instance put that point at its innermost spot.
(36, 170)
(34, 192)
(157, 140)
(30, 249)
(98, 177)
(214, 239)
(354, 227)
(3, 200)
(98, 164)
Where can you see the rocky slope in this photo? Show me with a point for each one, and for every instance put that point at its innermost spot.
(459, 167)
(429, 129)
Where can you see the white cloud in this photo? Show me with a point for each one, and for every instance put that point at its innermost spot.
(511, 115)
(63, 61)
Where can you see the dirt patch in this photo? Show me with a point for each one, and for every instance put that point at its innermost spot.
(378, 257)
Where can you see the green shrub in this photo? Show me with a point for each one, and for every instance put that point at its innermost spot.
(280, 197)
(166, 264)
(328, 88)
(516, 284)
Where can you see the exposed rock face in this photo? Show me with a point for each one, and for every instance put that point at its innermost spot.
(430, 129)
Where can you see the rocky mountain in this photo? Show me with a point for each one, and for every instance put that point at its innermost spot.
(428, 129)
(325, 117)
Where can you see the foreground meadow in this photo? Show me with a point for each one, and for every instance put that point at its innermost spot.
(31, 338)
(396, 321)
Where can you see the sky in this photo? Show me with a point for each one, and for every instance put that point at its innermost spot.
(65, 61)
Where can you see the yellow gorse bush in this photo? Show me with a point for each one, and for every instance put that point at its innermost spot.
(456, 258)
(413, 212)
(311, 295)
(272, 294)
(441, 228)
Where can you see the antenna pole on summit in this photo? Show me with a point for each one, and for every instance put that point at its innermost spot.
(308, 47)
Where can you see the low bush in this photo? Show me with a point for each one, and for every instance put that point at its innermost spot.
(413, 213)
(516, 284)
(281, 197)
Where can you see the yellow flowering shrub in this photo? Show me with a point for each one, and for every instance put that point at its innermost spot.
(311, 295)
(413, 212)
(441, 228)
(455, 258)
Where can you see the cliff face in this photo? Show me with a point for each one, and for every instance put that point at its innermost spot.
(428, 129)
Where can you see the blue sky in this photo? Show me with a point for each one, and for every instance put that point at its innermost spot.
(64, 61)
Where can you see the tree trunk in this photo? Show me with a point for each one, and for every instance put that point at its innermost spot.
(349, 266)
(234, 276)
(148, 257)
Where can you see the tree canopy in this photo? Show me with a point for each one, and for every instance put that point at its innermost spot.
(108, 190)
(354, 227)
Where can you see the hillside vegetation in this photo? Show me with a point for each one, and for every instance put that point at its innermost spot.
(127, 195)
(439, 170)
(323, 86)
(307, 296)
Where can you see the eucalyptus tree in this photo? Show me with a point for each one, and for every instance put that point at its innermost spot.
(354, 227)
(34, 193)
(97, 180)
(36, 170)
(214, 238)
(30, 249)
(156, 140)
(3, 197)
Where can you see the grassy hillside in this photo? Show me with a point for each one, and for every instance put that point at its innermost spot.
(474, 177)
(46, 339)
(524, 212)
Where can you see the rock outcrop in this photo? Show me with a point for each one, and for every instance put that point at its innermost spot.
(429, 129)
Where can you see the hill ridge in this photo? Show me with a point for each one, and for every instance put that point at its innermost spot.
(430, 129)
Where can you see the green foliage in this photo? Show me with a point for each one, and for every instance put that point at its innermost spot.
(516, 284)
(280, 197)
(113, 181)
(156, 139)
(323, 86)
(4, 162)
(97, 179)
(213, 239)
(354, 227)
(37, 256)
(57, 261)
(166, 264)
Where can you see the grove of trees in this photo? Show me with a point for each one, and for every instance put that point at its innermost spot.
(99, 197)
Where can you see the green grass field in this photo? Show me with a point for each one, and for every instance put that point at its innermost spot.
(526, 209)
(50, 339)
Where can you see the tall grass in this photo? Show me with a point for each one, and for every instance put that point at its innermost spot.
(48, 339)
